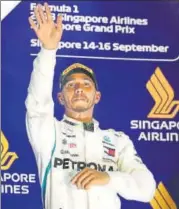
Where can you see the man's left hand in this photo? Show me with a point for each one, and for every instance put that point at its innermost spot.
(89, 177)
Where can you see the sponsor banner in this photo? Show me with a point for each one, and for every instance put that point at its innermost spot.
(14, 183)
(133, 48)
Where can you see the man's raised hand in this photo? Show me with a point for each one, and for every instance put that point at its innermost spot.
(47, 31)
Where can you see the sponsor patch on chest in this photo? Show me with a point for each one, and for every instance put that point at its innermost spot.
(109, 148)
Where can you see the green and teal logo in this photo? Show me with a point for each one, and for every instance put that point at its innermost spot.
(107, 139)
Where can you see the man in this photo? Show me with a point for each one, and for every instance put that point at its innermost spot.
(79, 165)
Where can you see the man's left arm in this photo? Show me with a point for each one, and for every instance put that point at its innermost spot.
(133, 181)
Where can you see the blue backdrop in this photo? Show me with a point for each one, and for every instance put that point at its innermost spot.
(124, 48)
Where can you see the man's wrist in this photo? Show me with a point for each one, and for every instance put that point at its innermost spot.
(50, 47)
(48, 52)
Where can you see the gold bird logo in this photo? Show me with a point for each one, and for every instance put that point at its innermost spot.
(162, 199)
(163, 95)
(7, 158)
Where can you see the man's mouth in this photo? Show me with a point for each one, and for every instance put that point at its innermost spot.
(79, 99)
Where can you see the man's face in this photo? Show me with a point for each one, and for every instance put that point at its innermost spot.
(79, 93)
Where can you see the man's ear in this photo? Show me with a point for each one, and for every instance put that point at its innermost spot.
(97, 97)
(60, 98)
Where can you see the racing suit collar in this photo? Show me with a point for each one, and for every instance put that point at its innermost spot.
(87, 126)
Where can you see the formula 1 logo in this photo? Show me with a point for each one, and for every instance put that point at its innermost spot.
(7, 158)
(163, 95)
(162, 199)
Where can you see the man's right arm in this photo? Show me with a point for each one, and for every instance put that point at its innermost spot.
(39, 100)
(39, 103)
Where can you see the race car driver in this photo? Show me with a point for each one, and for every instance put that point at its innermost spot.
(79, 165)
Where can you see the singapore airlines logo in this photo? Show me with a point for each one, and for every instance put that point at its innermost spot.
(163, 95)
(162, 199)
(7, 158)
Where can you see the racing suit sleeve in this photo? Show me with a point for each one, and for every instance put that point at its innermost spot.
(133, 180)
(39, 103)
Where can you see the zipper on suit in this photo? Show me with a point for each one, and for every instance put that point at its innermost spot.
(84, 135)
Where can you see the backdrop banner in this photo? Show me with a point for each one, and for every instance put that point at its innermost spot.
(133, 47)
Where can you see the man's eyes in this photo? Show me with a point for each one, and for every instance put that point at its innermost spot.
(87, 84)
(72, 84)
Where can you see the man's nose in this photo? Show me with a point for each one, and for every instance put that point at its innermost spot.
(78, 89)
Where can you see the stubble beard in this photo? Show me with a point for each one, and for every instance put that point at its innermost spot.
(81, 109)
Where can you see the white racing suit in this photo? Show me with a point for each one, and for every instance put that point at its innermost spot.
(63, 148)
